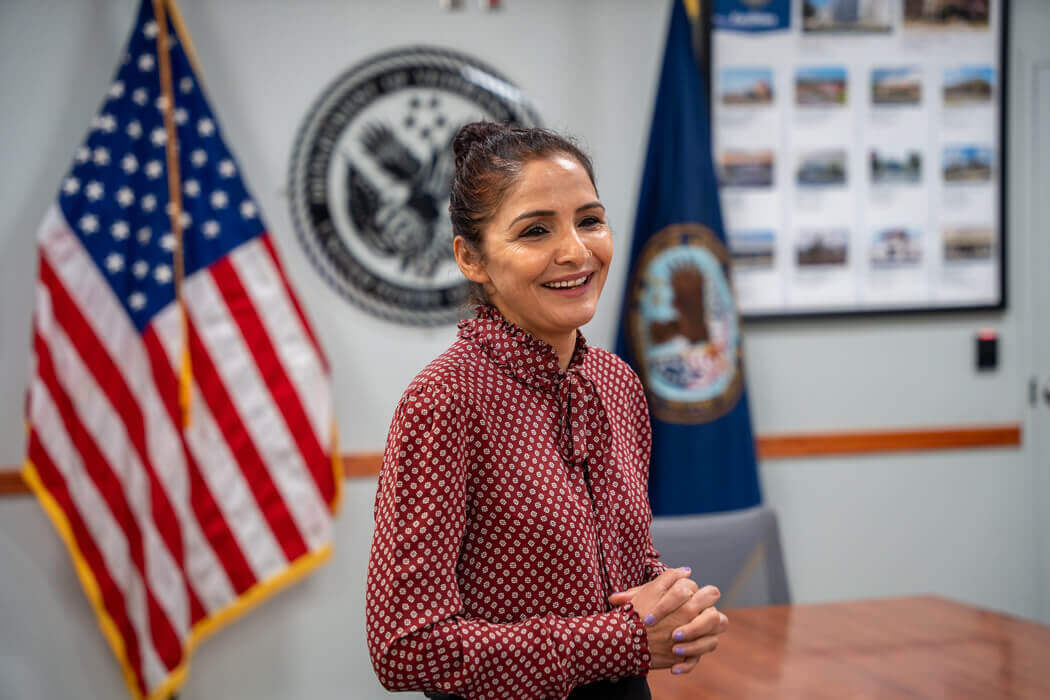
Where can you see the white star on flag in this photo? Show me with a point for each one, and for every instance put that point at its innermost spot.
(120, 230)
(248, 209)
(146, 62)
(162, 274)
(181, 116)
(140, 96)
(129, 164)
(71, 185)
(134, 130)
(159, 137)
(167, 241)
(100, 156)
(89, 223)
(116, 90)
(125, 196)
(143, 235)
(154, 169)
(83, 154)
(137, 300)
(210, 229)
(94, 190)
(199, 157)
(219, 200)
(192, 188)
(226, 168)
(186, 85)
(149, 203)
(114, 262)
(140, 269)
(205, 127)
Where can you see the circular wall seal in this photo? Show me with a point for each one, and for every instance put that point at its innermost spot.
(371, 172)
(683, 325)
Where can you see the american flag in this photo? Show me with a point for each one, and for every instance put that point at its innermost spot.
(174, 527)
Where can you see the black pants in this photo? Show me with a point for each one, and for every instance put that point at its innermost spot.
(634, 688)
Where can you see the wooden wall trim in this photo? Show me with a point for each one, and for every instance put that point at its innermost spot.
(875, 441)
(363, 465)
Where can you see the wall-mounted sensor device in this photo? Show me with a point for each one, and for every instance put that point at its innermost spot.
(987, 349)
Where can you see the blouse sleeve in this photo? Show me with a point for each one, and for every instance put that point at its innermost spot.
(653, 566)
(419, 636)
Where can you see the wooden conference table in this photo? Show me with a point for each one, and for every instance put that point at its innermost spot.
(923, 647)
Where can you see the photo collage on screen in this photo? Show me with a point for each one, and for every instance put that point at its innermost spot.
(857, 148)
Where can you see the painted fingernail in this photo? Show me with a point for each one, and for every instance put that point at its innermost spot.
(649, 619)
(676, 671)
(679, 651)
(687, 570)
(678, 636)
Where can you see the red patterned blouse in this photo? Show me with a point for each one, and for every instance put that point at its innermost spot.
(512, 501)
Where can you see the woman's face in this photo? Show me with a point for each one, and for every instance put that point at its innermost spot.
(546, 250)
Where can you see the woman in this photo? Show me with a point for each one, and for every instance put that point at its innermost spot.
(511, 557)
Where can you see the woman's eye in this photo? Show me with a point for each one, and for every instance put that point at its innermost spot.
(534, 231)
(591, 221)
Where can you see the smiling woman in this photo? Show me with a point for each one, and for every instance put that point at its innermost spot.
(511, 556)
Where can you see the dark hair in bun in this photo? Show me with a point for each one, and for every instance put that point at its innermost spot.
(489, 160)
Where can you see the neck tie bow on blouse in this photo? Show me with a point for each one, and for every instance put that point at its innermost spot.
(583, 426)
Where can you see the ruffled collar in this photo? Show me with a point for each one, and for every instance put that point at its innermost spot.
(517, 352)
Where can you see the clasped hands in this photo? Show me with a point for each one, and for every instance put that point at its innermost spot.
(680, 618)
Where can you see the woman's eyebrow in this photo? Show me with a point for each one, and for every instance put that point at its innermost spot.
(550, 212)
(532, 214)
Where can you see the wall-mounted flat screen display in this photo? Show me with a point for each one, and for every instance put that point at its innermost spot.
(859, 147)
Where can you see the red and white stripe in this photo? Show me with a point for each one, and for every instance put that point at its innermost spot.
(176, 524)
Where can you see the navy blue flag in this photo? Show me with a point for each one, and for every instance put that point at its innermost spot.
(680, 329)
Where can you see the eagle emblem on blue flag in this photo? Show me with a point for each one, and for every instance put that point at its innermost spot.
(684, 326)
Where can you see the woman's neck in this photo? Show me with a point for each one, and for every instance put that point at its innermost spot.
(565, 347)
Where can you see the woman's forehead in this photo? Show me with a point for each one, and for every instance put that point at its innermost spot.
(559, 179)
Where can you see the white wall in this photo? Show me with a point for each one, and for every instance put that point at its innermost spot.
(961, 523)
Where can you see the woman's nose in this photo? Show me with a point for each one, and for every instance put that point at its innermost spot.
(571, 249)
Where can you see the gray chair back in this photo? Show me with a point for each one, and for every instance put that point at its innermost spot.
(738, 551)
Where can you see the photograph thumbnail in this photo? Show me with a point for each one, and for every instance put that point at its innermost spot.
(896, 86)
(753, 249)
(746, 168)
(825, 167)
(842, 16)
(946, 14)
(896, 247)
(967, 85)
(968, 243)
(895, 166)
(822, 247)
(820, 85)
(967, 163)
(746, 86)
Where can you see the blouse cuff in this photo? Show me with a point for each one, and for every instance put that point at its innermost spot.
(639, 638)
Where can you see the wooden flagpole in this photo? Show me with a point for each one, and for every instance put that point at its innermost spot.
(175, 199)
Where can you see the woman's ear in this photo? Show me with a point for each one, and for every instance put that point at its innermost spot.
(469, 261)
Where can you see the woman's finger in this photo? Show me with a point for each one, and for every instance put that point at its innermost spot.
(622, 597)
(652, 592)
(707, 618)
(685, 666)
(673, 598)
(697, 647)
